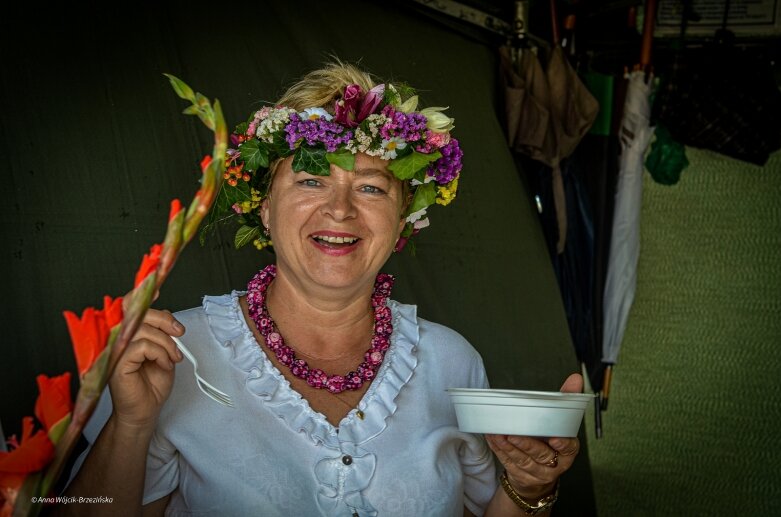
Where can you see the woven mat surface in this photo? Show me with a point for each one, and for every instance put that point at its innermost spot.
(694, 417)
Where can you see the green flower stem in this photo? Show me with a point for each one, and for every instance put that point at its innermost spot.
(180, 231)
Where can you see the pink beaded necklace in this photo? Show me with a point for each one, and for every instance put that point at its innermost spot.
(315, 377)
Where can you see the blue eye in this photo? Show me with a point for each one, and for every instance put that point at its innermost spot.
(371, 189)
(309, 182)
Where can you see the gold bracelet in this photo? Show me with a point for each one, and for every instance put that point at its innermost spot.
(528, 508)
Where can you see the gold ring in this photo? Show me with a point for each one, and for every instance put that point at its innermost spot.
(555, 461)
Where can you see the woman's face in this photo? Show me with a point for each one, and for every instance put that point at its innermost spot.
(338, 230)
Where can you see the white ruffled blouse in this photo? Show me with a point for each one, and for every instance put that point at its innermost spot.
(272, 454)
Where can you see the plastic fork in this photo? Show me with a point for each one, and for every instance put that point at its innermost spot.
(209, 390)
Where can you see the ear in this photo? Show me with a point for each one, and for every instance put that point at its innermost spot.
(402, 223)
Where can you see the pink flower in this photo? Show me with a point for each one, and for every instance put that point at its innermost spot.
(400, 244)
(345, 108)
(370, 102)
(437, 139)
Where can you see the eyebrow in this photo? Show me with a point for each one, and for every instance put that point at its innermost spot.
(372, 171)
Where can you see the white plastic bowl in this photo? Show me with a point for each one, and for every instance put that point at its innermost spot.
(527, 413)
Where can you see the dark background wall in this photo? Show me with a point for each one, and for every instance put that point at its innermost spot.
(93, 147)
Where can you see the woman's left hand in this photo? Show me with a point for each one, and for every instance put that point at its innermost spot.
(533, 465)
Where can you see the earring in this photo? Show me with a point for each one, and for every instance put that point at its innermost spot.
(267, 231)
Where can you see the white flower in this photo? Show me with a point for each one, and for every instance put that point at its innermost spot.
(436, 120)
(409, 105)
(314, 114)
(275, 121)
(390, 147)
(427, 179)
(414, 216)
(422, 223)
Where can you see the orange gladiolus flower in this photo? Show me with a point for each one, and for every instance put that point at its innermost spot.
(112, 311)
(89, 334)
(54, 400)
(205, 162)
(33, 454)
(176, 207)
(148, 264)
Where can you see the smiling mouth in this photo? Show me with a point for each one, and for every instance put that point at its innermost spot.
(335, 242)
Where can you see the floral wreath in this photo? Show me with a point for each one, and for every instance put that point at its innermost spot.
(381, 122)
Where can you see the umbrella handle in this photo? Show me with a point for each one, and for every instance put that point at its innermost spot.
(649, 21)
(554, 19)
(606, 386)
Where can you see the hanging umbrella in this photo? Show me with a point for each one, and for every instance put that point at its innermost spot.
(634, 134)
(527, 100)
(548, 113)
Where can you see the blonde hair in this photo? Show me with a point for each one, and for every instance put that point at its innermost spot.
(321, 88)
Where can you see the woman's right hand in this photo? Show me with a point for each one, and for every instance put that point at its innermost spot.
(144, 375)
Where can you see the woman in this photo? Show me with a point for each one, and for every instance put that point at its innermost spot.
(339, 391)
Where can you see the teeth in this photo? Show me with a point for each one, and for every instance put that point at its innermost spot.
(336, 240)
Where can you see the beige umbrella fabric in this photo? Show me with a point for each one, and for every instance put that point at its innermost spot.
(548, 113)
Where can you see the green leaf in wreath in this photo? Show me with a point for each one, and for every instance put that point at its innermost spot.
(311, 160)
(241, 128)
(341, 158)
(280, 146)
(212, 225)
(254, 154)
(405, 168)
(245, 235)
(226, 197)
(424, 196)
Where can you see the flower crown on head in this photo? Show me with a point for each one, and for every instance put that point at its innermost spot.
(381, 122)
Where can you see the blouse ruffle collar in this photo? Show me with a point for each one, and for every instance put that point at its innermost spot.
(264, 380)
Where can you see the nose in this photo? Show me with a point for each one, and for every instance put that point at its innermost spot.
(340, 204)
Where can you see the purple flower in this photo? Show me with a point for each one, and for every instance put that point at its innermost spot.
(446, 168)
(329, 133)
(409, 127)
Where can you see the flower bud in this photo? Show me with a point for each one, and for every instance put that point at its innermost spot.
(436, 120)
